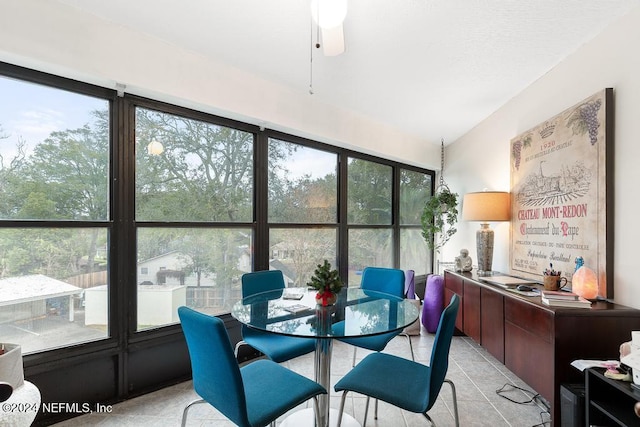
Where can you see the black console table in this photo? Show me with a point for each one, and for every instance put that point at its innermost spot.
(609, 402)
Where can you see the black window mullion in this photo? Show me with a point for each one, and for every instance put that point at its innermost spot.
(343, 229)
(395, 215)
(261, 198)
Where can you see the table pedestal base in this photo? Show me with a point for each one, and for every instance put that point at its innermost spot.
(306, 418)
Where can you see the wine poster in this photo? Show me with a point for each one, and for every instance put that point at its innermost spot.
(559, 192)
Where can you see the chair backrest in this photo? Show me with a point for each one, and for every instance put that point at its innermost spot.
(387, 280)
(216, 375)
(261, 281)
(440, 352)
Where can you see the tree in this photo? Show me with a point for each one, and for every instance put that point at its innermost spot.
(64, 178)
(204, 174)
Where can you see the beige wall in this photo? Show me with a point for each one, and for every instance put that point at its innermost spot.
(480, 159)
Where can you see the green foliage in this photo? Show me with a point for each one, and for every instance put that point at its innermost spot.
(369, 193)
(204, 174)
(325, 279)
(440, 215)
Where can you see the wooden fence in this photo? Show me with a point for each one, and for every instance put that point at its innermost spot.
(88, 280)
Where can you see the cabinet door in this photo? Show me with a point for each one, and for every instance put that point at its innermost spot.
(528, 346)
(453, 285)
(492, 322)
(471, 308)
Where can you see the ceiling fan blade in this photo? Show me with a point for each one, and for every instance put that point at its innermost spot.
(333, 41)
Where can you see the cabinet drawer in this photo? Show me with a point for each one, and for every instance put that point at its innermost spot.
(533, 319)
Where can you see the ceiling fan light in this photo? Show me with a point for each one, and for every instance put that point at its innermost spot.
(328, 13)
(333, 41)
(155, 148)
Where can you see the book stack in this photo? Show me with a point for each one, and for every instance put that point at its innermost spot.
(564, 299)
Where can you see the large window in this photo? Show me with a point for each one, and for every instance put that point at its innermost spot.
(54, 212)
(190, 172)
(303, 194)
(115, 211)
(369, 214)
(415, 188)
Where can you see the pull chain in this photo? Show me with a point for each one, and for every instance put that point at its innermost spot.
(441, 184)
(442, 162)
(311, 45)
(311, 57)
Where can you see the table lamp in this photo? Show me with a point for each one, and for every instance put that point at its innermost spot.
(585, 283)
(486, 206)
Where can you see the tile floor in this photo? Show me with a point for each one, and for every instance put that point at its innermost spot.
(476, 374)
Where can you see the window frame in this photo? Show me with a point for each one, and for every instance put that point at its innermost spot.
(122, 333)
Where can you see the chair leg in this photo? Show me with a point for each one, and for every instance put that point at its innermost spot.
(235, 350)
(366, 411)
(344, 397)
(413, 357)
(354, 357)
(429, 419)
(455, 402)
(375, 414)
(316, 412)
(184, 413)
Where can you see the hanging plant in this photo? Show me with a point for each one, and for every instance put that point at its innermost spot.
(440, 215)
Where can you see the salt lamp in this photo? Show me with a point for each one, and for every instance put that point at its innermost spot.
(585, 283)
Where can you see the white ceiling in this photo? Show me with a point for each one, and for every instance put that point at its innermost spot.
(430, 68)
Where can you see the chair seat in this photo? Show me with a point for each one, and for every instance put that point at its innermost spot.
(271, 390)
(377, 376)
(278, 348)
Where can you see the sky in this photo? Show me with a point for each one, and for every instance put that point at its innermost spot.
(31, 112)
(308, 161)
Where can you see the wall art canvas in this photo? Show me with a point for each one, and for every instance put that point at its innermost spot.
(559, 181)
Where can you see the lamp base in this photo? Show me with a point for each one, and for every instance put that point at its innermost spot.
(484, 245)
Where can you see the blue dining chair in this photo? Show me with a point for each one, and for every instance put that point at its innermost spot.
(254, 395)
(389, 281)
(406, 384)
(278, 348)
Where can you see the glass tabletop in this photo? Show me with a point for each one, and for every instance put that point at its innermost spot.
(357, 312)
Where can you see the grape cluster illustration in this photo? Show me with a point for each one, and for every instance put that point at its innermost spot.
(589, 114)
(516, 150)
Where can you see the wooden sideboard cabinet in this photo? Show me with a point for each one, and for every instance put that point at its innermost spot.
(537, 342)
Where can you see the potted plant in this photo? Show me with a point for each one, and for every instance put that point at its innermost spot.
(327, 282)
(440, 215)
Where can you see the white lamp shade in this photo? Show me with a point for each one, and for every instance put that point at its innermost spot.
(328, 13)
(486, 206)
(333, 41)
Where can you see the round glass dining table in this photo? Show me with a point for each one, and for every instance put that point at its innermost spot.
(356, 313)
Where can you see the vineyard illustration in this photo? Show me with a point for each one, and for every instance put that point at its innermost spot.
(540, 188)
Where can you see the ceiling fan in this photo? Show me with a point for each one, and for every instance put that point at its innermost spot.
(329, 16)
